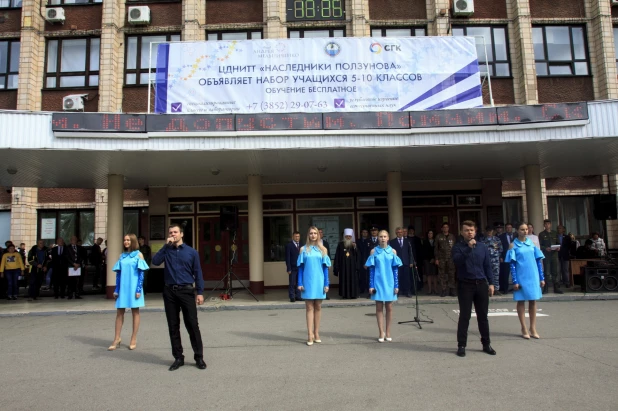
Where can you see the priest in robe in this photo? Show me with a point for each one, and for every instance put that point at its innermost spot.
(348, 265)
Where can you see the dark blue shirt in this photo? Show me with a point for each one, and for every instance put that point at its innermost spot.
(472, 263)
(182, 266)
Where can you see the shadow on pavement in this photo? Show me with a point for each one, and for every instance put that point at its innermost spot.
(267, 337)
(121, 352)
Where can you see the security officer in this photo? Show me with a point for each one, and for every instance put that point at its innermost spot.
(494, 246)
(547, 238)
(446, 268)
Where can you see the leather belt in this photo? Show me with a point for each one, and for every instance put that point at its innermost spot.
(177, 287)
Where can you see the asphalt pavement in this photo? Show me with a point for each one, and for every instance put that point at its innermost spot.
(257, 360)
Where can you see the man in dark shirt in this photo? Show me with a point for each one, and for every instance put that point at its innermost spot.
(475, 286)
(182, 270)
(96, 259)
(147, 253)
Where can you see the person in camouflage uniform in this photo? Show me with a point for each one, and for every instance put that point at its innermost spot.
(446, 267)
(547, 238)
(494, 245)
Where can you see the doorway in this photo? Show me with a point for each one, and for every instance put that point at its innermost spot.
(216, 248)
(424, 220)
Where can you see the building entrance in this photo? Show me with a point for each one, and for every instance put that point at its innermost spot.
(215, 248)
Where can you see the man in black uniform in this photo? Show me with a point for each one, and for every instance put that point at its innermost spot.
(368, 245)
(75, 259)
(475, 286)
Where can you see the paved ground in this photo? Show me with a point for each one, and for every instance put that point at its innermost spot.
(257, 360)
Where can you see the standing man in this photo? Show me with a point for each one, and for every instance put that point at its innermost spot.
(506, 238)
(37, 258)
(74, 256)
(96, 259)
(444, 260)
(60, 268)
(475, 287)
(182, 270)
(564, 255)
(363, 274)
(417, 250)
(494, 247)
(147, 253)
(292, 250)
(404, 251)
(547, 238)
(347, 265)
(369, 244)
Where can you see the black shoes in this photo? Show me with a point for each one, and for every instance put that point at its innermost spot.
(461, 351)
(557, 290)
(443, 293)
(292, 300)
(199, 363)
(487, 349)
(77, 297)
(299, 299)
(179, 362)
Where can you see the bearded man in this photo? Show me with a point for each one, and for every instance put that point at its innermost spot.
(347, 265)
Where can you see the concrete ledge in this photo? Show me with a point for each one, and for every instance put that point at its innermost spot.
(41, 309)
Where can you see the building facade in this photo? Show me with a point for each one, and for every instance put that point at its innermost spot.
(536, 52)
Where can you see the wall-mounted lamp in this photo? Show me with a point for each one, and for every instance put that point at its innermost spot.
(11, 171)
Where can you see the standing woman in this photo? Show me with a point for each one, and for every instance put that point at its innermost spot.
(431, 272)
(525, 260)
(313, 263)
(129, 282)
(383, 265)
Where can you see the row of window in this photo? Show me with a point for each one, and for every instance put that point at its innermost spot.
(6, 4)
(558, 51)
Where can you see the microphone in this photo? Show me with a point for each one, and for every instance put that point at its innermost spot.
(170, 243)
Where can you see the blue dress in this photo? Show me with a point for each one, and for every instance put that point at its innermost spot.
(526, 264)
(383, 273)
(313, 273)
(130, 279)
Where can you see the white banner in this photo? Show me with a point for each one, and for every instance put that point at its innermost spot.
(317, 75)
(48, 228)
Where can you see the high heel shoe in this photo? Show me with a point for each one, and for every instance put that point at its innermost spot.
(389, 339)
(381, 339)
(310, 343)
(115, 345)
(535, 335)
(524, 333)
(132, 346)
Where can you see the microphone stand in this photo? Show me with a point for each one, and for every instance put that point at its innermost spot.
(417, 318)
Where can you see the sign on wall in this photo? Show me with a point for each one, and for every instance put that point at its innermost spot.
(317, 75)
(48, 228)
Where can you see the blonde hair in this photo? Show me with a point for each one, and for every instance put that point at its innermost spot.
(384, 231)
(317, 243)
(134, 243)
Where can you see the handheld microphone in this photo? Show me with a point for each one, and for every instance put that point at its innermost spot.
(170, 243)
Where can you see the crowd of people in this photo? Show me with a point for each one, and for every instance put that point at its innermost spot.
(60, 268)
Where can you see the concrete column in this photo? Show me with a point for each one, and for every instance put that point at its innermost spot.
(601, 48)
(439, 23)
(100, 214)
(24, 216)
(395, 201)
(111, 63)
(274, 16)
(360, 18)
(534, 195)
(522, 52)
(194, 13)
(114, 227)
(256, 235)
(31, 56)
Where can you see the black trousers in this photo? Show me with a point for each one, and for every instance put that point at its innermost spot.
(72, 285)
(97, 275)
(59, 278)
(293, 291)
(505, 271)
(183, 299)
(36, 276)
(473, 292)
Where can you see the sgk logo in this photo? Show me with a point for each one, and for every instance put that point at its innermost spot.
(377, 48)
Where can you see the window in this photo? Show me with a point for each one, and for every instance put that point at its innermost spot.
(215, 207)
(575, 213)
(130, 221)
(560, 51)
(137, 55)
(399, 32)
(234, 35)
(277, 233)
(496, 43)
(72, 63)
(181, 208)
(324, 203)
(9, 64)
(312, 33)
(332, 225)
(66, 224)
(8, 4)
(512, 210)
(58, 2)
(428, 201)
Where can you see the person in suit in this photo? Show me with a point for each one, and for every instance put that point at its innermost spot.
(417, 249)
(75, 259)
(363, 275)
(564, 255)
(369, 244)
(506, 239)
(404, 251)
(291, 257)
(37, 258)
(60, 268)
(96, 259)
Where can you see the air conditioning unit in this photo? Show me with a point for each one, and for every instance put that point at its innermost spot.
(73, 102)
(139, 15)
(463, 7)
(614, 2)
(54, 15)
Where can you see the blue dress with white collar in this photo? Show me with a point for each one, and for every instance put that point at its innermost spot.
(313, 273)
(383, 267)
(130, 279)
(525, 260)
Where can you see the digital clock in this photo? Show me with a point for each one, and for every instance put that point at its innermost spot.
(307, 10)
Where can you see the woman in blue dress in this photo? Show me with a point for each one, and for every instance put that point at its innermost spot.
(128, 293)
(525, 260)
(313, 263)
(383, 265)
